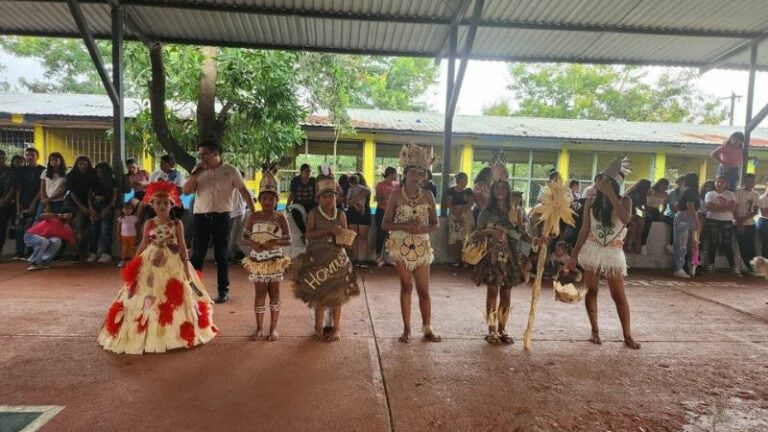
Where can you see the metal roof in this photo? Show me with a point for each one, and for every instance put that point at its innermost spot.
(71, 106)
(662, 32)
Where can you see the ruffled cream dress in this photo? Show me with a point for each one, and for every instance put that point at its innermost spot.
(413, 250)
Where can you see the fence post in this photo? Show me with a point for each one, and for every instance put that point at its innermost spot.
(660, 165)
(563, 163)
(369, 159)
(40, 141)
(467, 154)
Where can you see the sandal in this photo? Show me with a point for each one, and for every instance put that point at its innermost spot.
(492, 338)
(429, 335)
(506, 339)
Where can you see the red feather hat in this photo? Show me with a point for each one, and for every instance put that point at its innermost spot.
(162, 190)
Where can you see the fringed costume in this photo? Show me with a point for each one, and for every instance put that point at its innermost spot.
(413, 250)
(498, 240)
(158, 308)
(266, 265)
(603, 250)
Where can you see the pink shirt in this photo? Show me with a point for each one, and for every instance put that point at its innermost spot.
(729, 156)
(54, 227)
(128, 225)
(384, 190)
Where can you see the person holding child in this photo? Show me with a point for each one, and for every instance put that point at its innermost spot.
(266, 231)
(410, 218)
(163, 304)
(326, 278)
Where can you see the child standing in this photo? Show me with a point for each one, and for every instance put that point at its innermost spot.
(127, 227)
(163, 304)
(45, 238)
(266, 231)
(410, 218)
(326, 278)
(720, 204)
(729, 158)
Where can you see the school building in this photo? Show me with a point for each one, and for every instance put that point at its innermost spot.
(80, 124)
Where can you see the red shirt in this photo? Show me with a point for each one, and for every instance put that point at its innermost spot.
(54, 227)
(729, 156)
(384, 190)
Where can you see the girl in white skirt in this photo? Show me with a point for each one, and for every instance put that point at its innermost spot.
(599, 251)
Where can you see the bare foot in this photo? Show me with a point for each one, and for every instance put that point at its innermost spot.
(595, 338)
(506, 339)
(430, 336)
(319, 335)
(491, 338)
(631, 343)
(334, 336)
(258, 334)
(273, 336)
(405, 337)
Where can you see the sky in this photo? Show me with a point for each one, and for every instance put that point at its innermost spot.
(486, 82)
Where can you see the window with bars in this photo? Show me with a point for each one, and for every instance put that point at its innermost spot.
(14, 140)
(72, 143)
(348, 159)
(388, 154)
(679, 165)
(584, 166)
(528, 169)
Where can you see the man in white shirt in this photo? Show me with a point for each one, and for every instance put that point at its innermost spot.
(744, 217)
(214, 181)
(720, 204)
(168, 173)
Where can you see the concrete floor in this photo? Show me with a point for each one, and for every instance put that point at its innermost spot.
(703, 364)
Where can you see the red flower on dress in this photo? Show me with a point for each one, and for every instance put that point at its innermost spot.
(131, 273)
(174, 297)
(187, 332)
(111, 323)
(203, 321)
(140, 327)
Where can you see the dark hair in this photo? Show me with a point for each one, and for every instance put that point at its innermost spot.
(14, 158)
(749, 176)
(353, 179)
(361, 179)
(721, 177)
(62, 165)
(130, 162)
(573, 183)
(168, 159)
(81, 158)
(484, 174)
(602, 209)
(2, 152)
(639, 189)
(127, 204)
(738, 135)
(493, 202)
(691, 180)
(389, 171)
(344, 183)
(659, 183)
(304, 167)
(554, 174)
(210, 145)
(704, 186)
(107, 177)
(32, 150)
(461, 175)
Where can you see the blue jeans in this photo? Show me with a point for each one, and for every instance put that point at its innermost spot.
(43, 249)
(683, 227)
(762, 228)
(101, 230)
(26, 222)
(731, 176)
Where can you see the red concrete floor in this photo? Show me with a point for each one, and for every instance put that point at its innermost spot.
(703, 365)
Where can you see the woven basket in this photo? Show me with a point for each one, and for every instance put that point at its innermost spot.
(345, 238)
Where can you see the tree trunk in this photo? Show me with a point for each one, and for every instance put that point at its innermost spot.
(206, 98)
(157, 109)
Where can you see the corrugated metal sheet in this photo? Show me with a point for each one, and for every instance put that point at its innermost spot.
(99, 106)
(531, 30)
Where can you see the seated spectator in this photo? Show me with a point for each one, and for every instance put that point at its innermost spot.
(639, 195)
(168, 172)
(359, 218)
(27, 198)
(45, 238)
(102, 205)
(7, 192)
(654, 207)
(53, 185)
(80, 180)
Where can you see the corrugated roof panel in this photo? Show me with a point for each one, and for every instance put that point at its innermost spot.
(663, 48)
(741, 16)
(550, 11)
(511, 43)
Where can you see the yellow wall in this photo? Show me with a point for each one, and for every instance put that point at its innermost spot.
(467, 155)
(563, 163)
(660, 166)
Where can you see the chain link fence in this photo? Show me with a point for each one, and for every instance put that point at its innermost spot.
(14, 140)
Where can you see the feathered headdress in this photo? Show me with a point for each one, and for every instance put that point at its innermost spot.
(499, 167)
(162, 190)
(325, 182)
(413, 156)
(268, 181)
(618, 169)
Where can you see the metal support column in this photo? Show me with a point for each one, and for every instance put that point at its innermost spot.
(750, 102)
(118, 109)
(448, 128)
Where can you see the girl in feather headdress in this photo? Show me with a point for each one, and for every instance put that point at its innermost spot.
(410, 218)
(266, 231)
(163, 304)
(599, 247)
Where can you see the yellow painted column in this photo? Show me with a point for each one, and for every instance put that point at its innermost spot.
(703, 171)
(563, 163)
(146, 162)
(467, 154)
(40, 141)
(661, 166)
(369, 159)
(751, 165)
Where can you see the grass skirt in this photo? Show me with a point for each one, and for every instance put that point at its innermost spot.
(413, 250)
(324, 280)
(603, 260)
(270, 270)
(499, 267)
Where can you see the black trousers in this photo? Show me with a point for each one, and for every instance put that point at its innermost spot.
(381, 235)
(720, 237)
(212, 226)
(299, 219)
(6, 213)
(747, 235)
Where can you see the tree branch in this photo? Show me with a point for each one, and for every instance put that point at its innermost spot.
(206, 100)
(221, 120)
(157, 109)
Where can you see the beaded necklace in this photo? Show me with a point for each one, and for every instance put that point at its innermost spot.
(335, 213)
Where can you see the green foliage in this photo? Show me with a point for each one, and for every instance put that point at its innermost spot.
(393, 83)
(602, 92)
(498, 108)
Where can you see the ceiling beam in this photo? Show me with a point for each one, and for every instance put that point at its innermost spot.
(731, 53)
(93, 50)
(465, 53)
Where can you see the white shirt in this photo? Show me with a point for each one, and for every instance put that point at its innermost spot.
(719, 198)
(746, 201)
(54, 185)
(589, 192)
(763, 203)
(215, 187)
(174, 177)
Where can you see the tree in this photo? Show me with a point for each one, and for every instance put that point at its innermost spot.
(393, 83)
(498, 108)
(602, 92)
